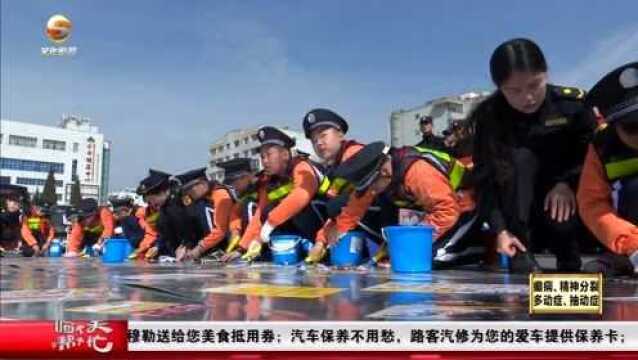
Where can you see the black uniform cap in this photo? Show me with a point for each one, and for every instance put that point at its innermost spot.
(269, 135)
(87, 207)
(156, 181)
(616, 94)
(235, 168)
(426, 120)
(362, 169)
(121, 202)
(189, 178)
(323, 117)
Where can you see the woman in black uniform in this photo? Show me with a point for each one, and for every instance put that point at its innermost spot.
(531, 140)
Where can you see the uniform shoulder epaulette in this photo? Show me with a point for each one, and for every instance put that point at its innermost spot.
(567, 92)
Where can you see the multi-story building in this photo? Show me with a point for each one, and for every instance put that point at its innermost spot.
(73, 148)
(244, 143)
(404, 124)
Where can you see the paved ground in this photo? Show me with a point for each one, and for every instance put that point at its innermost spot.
(88, 289)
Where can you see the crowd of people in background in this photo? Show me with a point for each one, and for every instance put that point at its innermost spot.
(535, 164)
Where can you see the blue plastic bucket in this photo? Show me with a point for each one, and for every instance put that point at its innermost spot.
(115, 250)
(285, 249)
(349, 250)
(55, 250)
(410, 248)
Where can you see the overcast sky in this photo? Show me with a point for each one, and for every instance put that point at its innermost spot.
(164, 79)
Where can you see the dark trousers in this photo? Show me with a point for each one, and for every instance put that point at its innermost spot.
(380, 214)
(27, 251)
(523, 204)
(461, 244)
(306, 223)
(132, 230)
(616, 264)
(628, 200)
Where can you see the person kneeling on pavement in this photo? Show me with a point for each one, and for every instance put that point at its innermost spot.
(37, 230)
(608, 191)
(91, 227)
(289, 200)
(414, 182)
(209, 205)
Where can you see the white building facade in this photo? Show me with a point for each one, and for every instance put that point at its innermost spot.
(244, 144)
(404, 124)
(73, 148)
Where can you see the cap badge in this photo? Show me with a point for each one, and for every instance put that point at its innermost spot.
(629, 78)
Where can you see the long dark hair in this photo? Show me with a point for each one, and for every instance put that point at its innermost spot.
(491, 148)
(516, 55)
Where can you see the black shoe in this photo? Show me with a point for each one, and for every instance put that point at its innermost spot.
(524, 263)
(610, 265)
(567, 266)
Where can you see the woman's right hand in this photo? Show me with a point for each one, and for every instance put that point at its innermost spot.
(508, 244)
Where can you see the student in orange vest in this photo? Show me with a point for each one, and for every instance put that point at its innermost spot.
(209, 205)
(327, 130)
(286, 195)
(418, 186)
(92, 226)
(127, 224)
(241, 179)
(608, 191)
(37, 230)
(156, 191)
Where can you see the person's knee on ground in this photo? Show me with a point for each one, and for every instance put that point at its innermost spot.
(610, 264)
(564, 242)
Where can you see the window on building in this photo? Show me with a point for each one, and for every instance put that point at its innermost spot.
(76, 147)
(1, 137)
(236, 156)
(254, 137)
(26, 141)
(35, 182)
(53, 145)
(30, 165)
(236, 143)
(228, 146)
(246, 141)
(74, 168)
(213, 151)
(59, 197)
(4, 180)
(255, 151)
(456, 108)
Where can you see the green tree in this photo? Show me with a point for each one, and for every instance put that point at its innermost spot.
(76, 194)
(48, 194)
(36, 197)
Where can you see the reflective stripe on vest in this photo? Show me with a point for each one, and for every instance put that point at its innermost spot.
(251, 196)
(152, 219)
(282, 191)
(620, 161)
(34, 223)
(337, 186)
(453, 168)
(622, 168)
(94, 230)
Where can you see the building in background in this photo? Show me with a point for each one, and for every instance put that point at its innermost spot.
(404, 124)
(244, 143)
(128, 192)
(73, 148)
